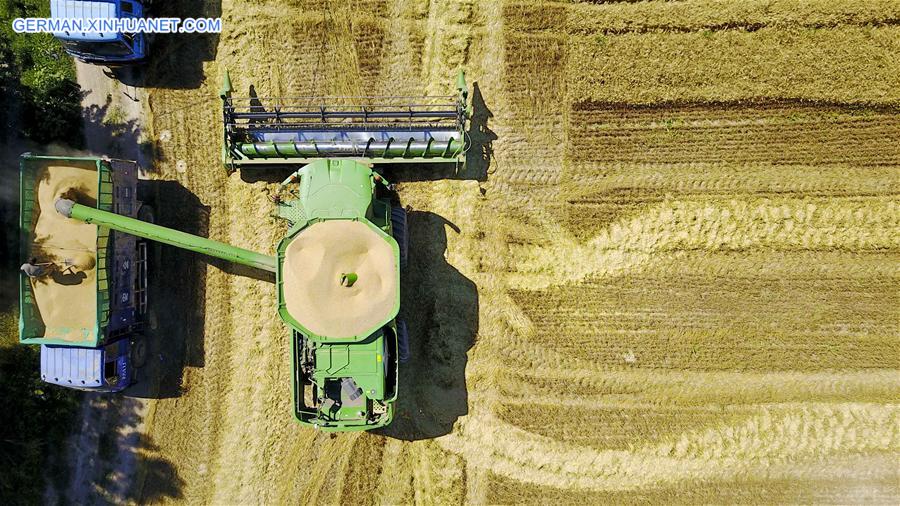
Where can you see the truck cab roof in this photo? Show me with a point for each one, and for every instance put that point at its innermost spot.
(104, 369)
(76, 9)
(72, 367)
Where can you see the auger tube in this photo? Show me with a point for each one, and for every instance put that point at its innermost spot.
(165, 235)
(404, 149)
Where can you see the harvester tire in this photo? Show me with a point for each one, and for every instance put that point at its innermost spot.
(399, 230)
(402, 342)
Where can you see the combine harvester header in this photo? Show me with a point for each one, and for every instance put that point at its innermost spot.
(386, 129)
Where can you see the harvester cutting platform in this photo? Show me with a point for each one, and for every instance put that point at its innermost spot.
(389, 129)
(338, 268)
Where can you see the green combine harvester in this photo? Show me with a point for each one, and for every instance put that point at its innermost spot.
(338, 268)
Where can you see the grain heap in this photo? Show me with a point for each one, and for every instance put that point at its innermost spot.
(66, 298)
(315, 263)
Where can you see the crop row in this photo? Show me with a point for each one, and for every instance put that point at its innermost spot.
(732, 319)
(746, 224)
(847, 65)
(772, 439)
(803, 136)
(697, 15)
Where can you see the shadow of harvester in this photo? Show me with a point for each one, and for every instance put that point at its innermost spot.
(440, 306)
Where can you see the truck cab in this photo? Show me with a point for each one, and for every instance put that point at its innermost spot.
(106, 368)
(108, 48)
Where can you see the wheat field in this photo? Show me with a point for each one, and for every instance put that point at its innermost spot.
(677, 281)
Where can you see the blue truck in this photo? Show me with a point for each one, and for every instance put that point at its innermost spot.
(86, 303)
(109, 48)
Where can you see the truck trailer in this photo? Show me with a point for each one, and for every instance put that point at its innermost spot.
(86, 303)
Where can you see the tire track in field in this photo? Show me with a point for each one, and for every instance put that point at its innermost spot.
(774, 224)
(775, 435)
(186, 428)
(615, 182)
(532, 120)
(255, 407)
(697, 388)
(402, 63)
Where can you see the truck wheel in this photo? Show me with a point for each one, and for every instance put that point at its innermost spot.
(138, 351)
(152, 320)
(145, 213)
(399, 231)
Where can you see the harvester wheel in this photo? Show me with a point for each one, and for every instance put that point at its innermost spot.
(398, 227)
(138, 351)
(402, 342)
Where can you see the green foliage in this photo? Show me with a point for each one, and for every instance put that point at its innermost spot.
(40, 101)
(38, 79)
(34, 418)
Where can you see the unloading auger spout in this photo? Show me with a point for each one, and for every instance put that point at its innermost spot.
(165, 235)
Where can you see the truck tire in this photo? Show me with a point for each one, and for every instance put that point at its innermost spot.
(152, 320)
(145, 213)
(399, 231)
(138, 351)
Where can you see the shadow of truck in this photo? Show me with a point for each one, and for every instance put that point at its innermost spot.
(176, 295)
(176, 59)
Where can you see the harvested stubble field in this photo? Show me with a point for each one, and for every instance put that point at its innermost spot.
(676, 283)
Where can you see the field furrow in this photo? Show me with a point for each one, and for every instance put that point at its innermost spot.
(695, 16)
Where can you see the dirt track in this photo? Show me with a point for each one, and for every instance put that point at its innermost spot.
(692, 299)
